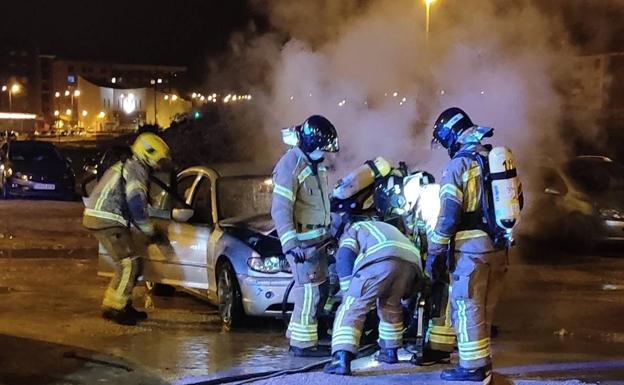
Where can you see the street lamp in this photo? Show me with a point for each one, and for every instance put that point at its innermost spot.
(84, 113)
(57, 112)
(68, 112)
(77, 93)
(15, 88)
(57, 94)
(67, 93)
(428, 17)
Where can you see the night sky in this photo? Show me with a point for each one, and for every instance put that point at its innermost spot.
(178, 32)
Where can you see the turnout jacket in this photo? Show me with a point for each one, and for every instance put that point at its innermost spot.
(461, 198)
(120, 198)
(300, 206)
(367, 242)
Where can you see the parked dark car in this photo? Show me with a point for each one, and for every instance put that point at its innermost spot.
(32, 169)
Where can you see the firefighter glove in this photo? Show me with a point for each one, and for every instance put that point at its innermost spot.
(436, 266)
(298, 254)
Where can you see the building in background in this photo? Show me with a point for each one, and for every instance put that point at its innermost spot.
(20, 77)
(104, 108)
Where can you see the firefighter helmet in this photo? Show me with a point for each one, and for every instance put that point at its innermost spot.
(449, 126)
(318, 133)
(150, 149)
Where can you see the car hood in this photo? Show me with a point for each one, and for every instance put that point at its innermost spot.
(50, 170)
(256, 231)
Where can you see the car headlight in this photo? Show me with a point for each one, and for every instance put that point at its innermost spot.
(21, 176)
(612, 214)
(270, 265)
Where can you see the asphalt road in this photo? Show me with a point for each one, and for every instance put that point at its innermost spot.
(560, 317)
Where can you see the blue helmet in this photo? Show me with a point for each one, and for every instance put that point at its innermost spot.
(318, 133)
(449, 126)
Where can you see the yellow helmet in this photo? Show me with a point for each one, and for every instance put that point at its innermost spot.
(150, 149)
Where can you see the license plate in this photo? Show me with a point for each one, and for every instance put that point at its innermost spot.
(44, 186)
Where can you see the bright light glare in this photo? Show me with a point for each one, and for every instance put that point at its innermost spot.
(15, 88)
(4, 88)
(68, 112)
(174, 98)
(57, 113)
(129, 104)
(429, 2)
(84, 112)
(56, 94)
(102, 114)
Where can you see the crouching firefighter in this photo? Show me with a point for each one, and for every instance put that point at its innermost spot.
(119, 200)
(480, 203)
(412, 204)
(301, 212)
(377, 266)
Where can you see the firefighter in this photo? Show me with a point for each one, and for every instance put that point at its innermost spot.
(412, 204)
(463, 242)
(119, 200)
(301, 212)
(377, 266)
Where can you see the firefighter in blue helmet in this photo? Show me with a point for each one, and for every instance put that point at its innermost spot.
(301, 212)
(464, 242)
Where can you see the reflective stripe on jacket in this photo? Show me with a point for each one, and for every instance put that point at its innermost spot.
(369, 242)
(460, 193)
(300, 207)
(120, 200)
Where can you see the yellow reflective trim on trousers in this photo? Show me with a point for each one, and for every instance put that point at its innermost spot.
(475, 355)
(442, 340)
(108, 187)
(463, 321)
(342, 311)
(390, 327)
(312, 234)
(390, 336)
(307, 304)
(473, 172)
(302, 328)
(472, 345)
(106, 215)
(469, 234)
(126, 269)
(284, 192)
(306, 172)
(453, 191)
(346, 335)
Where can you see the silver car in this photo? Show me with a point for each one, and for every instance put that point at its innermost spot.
(222, 244)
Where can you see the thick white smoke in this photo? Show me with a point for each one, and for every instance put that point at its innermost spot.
(367, 66)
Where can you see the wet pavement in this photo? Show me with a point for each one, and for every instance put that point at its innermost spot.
(560, 318)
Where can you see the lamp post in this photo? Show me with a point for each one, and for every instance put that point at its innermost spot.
(14, 89)
(428, 18)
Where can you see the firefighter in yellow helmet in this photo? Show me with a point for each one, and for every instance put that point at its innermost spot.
(118, 201)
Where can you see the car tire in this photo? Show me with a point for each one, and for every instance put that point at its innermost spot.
(230, 299)
(578, 234)
(160, 289)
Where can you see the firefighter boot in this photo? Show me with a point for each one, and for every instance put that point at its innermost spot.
(431, 356)
(312, 351)
(458, 373)
(389, 356)
(139, 315)
(122, 317)
(341, 363)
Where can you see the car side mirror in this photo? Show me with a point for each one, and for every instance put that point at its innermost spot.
(182, 215)
(552, 191)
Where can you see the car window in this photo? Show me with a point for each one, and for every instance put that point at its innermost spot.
(202, 203)
(33, 152)
(552, 180)
(163, 200)
(184, 188)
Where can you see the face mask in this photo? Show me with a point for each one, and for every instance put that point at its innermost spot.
(316, 154)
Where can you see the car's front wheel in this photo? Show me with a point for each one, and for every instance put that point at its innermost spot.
(230, 297)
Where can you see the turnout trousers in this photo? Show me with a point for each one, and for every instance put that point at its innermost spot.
(476, 287)
(309, 297)
(380, 285)
(128, 265)
(441, 335)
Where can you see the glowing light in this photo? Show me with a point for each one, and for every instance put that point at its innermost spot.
(227, 98)
(159, 81)
(209, 98)
(57, 113)
(395, 94)
(114, 80)
(102, 115)
(68, 112)
(66, 93)
(342, 103)
(310, 94)
(4, 88)
(292, 98)
(429, 2)
(174, 98)
(77, 93)
(15, 88)
(482, 92)
(194, 95)
(122, 96)
(442, 92)
(214, 95)
(129, 104)
(268, 182)
(152, 81)
(404, 100)
(202, 98)
(56, 94)
(84, 113)
(166, 97)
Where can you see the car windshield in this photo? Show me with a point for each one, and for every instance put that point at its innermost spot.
(244, 196)
(33, 152)
(596, 175)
